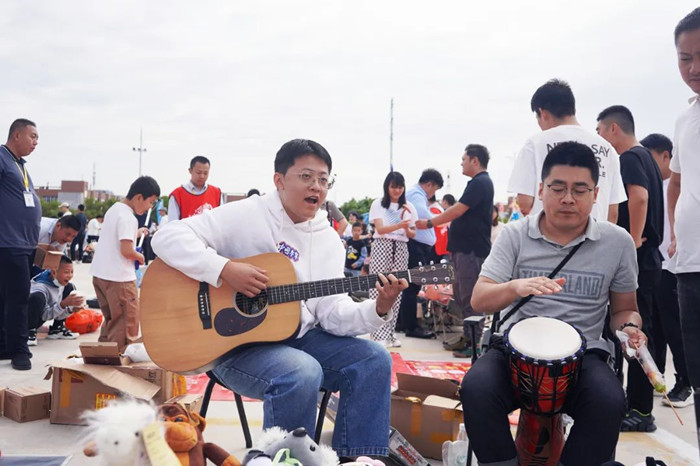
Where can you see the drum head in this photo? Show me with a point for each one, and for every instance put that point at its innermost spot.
(544, 338)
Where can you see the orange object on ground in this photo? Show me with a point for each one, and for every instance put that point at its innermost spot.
(84, 321)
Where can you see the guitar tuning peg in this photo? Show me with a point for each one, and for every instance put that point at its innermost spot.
(432, 263)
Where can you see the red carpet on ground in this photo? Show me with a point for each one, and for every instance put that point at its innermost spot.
(437, 369)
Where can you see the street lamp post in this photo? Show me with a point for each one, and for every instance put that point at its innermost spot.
(140, 149)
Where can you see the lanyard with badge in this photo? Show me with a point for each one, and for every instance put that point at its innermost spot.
(28, 196)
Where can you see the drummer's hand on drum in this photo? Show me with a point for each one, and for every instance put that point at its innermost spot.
(244, 278)
(537, 286)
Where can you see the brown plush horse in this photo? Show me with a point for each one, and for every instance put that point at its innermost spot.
(183, 433)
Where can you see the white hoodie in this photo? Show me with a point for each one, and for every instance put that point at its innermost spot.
(200, 247)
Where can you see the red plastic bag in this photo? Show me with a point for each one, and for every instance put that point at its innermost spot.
(84, 321)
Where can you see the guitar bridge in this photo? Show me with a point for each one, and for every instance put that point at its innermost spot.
(203, 305)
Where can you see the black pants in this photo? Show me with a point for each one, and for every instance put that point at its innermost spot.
(77, 244)
(14, 294)
(417, 253)
(640, 393)
(36, 305)
(93, 238)
(597, 404)
(667, 326)
(689, 299)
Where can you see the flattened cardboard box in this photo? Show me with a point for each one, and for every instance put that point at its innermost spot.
(77, 387)
(426, 412)
(26, 404)
(47, 257)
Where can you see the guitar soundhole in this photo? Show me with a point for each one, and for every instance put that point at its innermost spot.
(251, 306)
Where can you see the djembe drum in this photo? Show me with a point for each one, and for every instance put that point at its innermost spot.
(545, 360)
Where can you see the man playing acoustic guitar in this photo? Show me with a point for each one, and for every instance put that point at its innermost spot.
(288, 375)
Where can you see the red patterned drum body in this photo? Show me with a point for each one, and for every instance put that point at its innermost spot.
(545, 359)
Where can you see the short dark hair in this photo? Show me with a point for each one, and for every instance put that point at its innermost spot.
(572, 154)
(618, 114)
(70, 221)
(65, 260)
(355, 213)
(18, 124)
(480, 152)
(199, 159)
(292, 150)
(658, 142)
(81, 207)
(252, 192)
(556, 97)
(691, 22)
(430, 175)
(145, 186)
(450, 199)
(396, 179)
(495, 221)
(357, 225)
(99, 216)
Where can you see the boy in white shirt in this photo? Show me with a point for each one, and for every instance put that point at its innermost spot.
(113, 271)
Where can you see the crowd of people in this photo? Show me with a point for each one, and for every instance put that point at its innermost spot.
(597, 207)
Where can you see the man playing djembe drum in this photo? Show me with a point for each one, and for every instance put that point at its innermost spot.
(602, 269)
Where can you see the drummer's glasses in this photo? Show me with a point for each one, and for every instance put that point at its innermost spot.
(577, 192)
(308, 178)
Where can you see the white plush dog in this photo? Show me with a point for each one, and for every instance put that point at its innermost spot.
(116, 432)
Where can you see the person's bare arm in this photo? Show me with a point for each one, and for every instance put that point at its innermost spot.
(637, 206)
(489, 297)
(613, 211)
(126, 247)
(383, 230)
(450, 214)
(342, 226)
(623, 309)
(525, 203)
(674, 191)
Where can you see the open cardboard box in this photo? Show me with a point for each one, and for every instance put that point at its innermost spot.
(427, 412)
(47, 257)
(105, 353)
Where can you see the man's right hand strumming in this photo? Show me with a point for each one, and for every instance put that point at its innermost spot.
(244, 278)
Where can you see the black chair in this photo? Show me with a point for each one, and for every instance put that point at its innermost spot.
(241, 409)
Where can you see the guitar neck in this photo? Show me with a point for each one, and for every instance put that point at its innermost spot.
(302, 291)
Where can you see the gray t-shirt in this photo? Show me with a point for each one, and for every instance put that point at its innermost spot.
(606, 262)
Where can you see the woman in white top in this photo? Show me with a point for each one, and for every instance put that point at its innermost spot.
(394, 221)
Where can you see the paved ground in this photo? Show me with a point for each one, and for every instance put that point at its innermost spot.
(674, 444)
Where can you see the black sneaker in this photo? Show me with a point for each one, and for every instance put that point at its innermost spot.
(634, 421)
(21, 362)
(420, 332)
(680, 396)
(61, 333)
(31, 341)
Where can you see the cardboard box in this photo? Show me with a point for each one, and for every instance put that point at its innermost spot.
(2, 401)
(106, 353)
(47, 257)
(77, 387)
(426, 412)
(27, 403)
(170, 383)
(191, 402)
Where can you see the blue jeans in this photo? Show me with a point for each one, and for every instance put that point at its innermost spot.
(288, 375)
(689, 300)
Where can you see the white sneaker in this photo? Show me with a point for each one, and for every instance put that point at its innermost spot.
(390, 343)
(62, 334)
(31, 341)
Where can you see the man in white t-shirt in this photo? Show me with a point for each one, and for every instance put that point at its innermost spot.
(113, 267)
(555, 109)
(683, 195)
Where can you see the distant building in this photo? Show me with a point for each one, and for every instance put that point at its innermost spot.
(73, 192)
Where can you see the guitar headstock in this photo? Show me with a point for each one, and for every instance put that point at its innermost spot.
(432, 274)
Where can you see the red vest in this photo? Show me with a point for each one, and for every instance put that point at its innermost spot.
(194, 204)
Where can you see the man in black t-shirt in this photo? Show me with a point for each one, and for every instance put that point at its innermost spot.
(469, 238)
(642, 215)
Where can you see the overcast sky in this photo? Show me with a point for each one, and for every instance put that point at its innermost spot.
(235, 80)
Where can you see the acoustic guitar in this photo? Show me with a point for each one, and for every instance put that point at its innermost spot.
(189, 326)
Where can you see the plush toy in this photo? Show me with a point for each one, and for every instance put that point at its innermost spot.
(116, 432)
(277, 444)
(183, 433)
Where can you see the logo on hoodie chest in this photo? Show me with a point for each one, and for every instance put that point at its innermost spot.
(288, 251)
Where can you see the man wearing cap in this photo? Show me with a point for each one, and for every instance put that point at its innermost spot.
(64, 209)
(20, 233)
